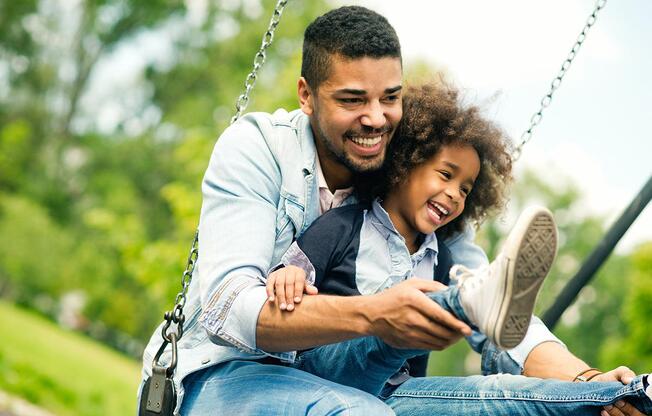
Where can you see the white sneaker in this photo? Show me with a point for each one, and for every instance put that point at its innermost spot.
(500, 299)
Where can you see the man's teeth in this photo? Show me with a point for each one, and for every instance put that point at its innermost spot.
(370, 142)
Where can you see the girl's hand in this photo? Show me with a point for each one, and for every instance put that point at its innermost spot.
(287, 286)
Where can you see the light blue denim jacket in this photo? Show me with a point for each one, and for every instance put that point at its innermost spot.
(259, 193)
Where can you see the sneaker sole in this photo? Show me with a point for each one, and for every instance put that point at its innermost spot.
(530, 253)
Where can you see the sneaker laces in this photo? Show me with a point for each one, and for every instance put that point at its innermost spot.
(473, 277)
(465, 276)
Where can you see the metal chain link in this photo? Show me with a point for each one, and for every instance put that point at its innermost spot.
(176, 315)
(545, 101)
(259, 60)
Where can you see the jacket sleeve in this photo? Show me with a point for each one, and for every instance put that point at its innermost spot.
(237, 231)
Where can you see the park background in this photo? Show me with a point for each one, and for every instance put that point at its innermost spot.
(109, 110)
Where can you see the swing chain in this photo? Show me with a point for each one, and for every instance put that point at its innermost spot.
(176, 316)
(259, 60)
(545, 101)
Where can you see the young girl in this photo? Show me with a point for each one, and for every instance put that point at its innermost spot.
(447, 168)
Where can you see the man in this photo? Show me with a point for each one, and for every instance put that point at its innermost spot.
(269, 177)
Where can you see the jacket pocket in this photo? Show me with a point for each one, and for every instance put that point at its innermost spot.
(290, 212)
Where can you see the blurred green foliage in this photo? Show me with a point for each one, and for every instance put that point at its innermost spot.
(634, 312)
(109, 212)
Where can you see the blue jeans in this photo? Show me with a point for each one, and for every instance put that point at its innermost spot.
(249, 388)
(367, 363)
(252, 388)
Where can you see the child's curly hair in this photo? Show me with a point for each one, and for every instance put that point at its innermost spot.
(433, 117)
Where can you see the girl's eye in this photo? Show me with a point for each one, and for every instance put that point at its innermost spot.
(465, 191)
(445, 174)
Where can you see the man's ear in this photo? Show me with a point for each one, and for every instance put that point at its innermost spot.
(306, 96)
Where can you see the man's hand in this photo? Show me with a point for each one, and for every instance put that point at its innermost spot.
(621, 408)
(404, 317)
(622, 374)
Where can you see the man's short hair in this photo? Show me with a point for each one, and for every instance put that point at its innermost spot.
(350, 32)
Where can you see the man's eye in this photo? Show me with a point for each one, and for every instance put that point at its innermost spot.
(391, 98)
(350, 100)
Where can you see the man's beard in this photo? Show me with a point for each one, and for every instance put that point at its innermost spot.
(362, 165)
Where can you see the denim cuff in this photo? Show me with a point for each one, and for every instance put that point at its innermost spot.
(231, 316)
(294, 256)
(497, 361)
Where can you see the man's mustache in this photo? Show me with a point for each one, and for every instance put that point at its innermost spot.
(369, 131)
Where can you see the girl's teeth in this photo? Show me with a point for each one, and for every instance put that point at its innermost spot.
(442, 209)
(434, 213)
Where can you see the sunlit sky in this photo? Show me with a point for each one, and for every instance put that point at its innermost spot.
(505, 53)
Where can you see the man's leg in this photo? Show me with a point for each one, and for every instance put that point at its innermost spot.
(510, 395)
(251, 388)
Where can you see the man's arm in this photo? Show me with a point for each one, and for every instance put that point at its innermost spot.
(464, 251)
(403, 316)
(552, 360)
(237, 231)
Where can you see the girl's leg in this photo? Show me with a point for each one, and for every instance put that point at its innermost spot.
(364, 363)
(367, 363)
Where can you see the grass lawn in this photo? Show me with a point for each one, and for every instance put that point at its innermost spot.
(61, 371)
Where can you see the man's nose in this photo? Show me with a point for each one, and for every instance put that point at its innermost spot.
(374, 116)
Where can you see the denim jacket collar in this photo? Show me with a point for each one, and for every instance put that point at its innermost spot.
(307, 142)
(309, 157)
